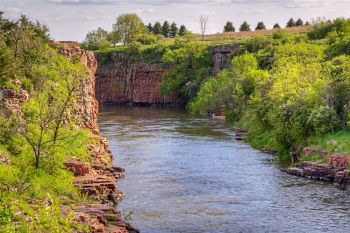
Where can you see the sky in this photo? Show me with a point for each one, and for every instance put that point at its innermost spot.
(72, 19)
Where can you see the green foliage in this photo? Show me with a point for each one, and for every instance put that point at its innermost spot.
(147, 39)
(340, 46)
(157, 28)
(36, 139)
(276, 26)
(229, 27)
(323, 120)
(230, 90)
(260, 26)
(321, 30)
(335, 142)
(182, 31)
(188, 65)
(174, 30)
(245, 27)
(96, 39)
(126, 27)
(299, 22)
(339, 88)
(291, 23)
(166, 29)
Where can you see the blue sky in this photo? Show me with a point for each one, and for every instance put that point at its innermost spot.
(72, 19)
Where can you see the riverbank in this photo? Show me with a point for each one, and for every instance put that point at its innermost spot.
(187, 173)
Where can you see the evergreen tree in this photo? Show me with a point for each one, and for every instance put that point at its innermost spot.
(166, 29)
(183, 30)
(245, 27)
(291, 23)
(157, 28)
(276, 26)
(299, 22)
(149, 27)
(173, 30)
(229, 27)
(260, 26)
(307, 23)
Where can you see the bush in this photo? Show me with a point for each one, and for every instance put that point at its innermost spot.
(146, 39)
(323, 120)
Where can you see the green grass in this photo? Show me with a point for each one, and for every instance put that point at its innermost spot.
(338, 142)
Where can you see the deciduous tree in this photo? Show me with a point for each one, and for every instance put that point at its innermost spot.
(127, 26)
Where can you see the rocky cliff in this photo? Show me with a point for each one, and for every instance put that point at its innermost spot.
(222, 56)
(123, 81)
(97, 179)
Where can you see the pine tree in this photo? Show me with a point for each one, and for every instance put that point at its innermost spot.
(173, 30)
(229, 27)
(276, 26)
(245, 27)
(260, 26)
(157, 28)
(299, 22)
(149, 27)
(183, 30)
(291, 23)
(166, 29)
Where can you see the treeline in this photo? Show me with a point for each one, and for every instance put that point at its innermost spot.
(229, 27)
(129, 28)
(38, 129)
(166, 29)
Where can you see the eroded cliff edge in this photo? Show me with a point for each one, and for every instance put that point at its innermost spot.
(97, 179)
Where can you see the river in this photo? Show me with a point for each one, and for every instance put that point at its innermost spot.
(187, 174)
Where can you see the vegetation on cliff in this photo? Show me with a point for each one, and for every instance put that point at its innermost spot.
(39, 129)
(287, 90)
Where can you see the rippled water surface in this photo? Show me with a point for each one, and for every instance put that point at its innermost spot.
(188, 174)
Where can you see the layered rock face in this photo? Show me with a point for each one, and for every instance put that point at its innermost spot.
(335, 171)
(123, 81)
(222, 56)
(98, 178)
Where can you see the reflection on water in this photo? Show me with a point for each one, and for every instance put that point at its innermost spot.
(188, 174)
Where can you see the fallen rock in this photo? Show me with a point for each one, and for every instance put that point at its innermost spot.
(78, 167)
(339, 161)
(295, 171)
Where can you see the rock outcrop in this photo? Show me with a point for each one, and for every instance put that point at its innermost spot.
(334, 171)
(123, 81)
(222, 56)
(98, 177)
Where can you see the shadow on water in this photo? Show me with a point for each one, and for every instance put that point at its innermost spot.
(188, 174)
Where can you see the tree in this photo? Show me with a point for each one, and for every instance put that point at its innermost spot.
(182, 31)
(339, 88)
(203, 21)
(291, 23)
(96, 39)
(260, 26)
(244, 27)
(276, 26)
(229, 27)
(127, 26)
(299, 22)
(166, 29)
(150, 27)
(157, 28)
(173, 30)
(49, 111)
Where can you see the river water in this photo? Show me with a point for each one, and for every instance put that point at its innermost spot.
(188, 174)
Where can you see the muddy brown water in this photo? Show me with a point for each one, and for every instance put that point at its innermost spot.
(187, 174)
